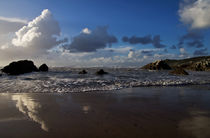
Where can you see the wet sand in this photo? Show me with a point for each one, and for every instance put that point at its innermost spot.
(147, 112)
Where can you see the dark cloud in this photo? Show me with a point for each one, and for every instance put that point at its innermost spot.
(165, 50)
(148, 52)
(155, 41)
(192, 39)
(90, 41)
(138, 40)
(196, 43)
(201, 52)
(173, 47)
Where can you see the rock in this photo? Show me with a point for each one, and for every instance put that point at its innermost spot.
(194, 64)
(83, 72)
(201, 65)
(158, 65)
(19, 67)
(178, 71)
(101, 72)
(43, 68)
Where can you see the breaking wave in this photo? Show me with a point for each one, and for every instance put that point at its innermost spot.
(62, 80)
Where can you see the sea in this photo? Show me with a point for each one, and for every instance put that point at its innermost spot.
(67, 80)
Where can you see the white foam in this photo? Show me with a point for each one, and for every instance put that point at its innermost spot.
(63, 80)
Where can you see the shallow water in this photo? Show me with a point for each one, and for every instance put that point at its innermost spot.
(62, 80)
(148, 112)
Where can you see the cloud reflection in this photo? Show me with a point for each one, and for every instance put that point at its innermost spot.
(86, 109)
(30, 108)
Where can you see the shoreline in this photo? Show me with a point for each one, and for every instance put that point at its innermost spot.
(118, 90)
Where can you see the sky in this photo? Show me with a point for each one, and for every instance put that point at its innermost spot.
(103, 33)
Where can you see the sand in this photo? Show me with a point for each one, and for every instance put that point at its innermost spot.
(147, 112)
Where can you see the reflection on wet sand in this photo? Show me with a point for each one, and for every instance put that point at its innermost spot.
(172, 112)
(198, 124)
(86, 108)
(30, 108)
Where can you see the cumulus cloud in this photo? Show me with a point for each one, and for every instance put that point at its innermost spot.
(90, 41)
(33, 39)
(201, 52)
(131, 53)
(195, 13)
(86, 31)
(39, 33)
(8, 27)
(155, 41)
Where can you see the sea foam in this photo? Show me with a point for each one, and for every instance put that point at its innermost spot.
(62, 80)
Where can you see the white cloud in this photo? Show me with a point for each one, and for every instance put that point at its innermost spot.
(183, 53)
(37, 40)
(108, 57)
(39, 33)
(196, 14)
(16, 20)
(86, 31)
(30, 108)
(9, 27)
(182, 50)
(31, 40)
(130, 54)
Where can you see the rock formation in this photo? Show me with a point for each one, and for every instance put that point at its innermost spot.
(19, 67)
(194, 64)
(157, 65)
(43, 68)
(101, 72)
(178, 71)
(83, 72)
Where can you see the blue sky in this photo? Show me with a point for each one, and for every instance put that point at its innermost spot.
(123, 17)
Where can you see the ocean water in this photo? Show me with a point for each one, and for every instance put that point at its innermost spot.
(63, 80)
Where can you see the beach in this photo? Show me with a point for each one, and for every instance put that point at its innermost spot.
(148, 112)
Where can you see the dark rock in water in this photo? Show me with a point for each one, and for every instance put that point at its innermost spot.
(19, 67)
(83, 72)
(157, 65)
(101, 72)
(43, 68)
(178, 71)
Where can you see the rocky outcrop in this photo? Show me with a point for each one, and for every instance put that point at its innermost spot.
(83, 72)
(194, 64)
(178, 71)
(19, 67)
(202, 66)
(101, 72)
(43, 68)
(157, 65)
